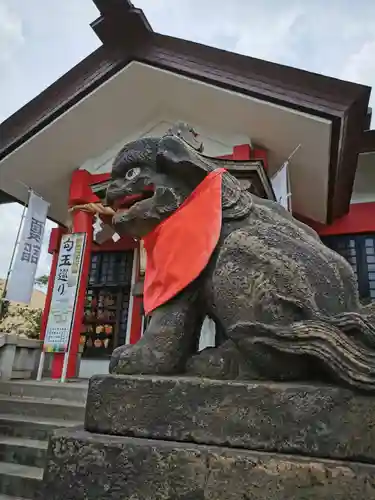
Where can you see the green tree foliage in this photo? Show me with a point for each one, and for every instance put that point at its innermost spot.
(20, 319)
(42, 280)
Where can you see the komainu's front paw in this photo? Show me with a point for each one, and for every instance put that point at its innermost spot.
(141, 359)
(118, 354)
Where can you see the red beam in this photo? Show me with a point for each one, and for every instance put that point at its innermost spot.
(360, 219)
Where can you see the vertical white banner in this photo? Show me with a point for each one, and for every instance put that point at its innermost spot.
(281, 187)
(22, 278)
(64, 295)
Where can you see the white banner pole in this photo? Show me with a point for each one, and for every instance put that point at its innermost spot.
(289, 188)
(293, 152)
(41, 366)
(65, 365)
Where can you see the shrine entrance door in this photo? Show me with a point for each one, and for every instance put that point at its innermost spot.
(106, 322)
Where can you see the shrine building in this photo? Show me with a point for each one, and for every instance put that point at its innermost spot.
(249, 112)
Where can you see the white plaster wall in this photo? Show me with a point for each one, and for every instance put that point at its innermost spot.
(364, 184)
(90, 367)
(208, 334)
(216, 143)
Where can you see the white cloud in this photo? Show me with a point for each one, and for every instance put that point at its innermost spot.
(361, 65)
(11, 32)
(40, 40)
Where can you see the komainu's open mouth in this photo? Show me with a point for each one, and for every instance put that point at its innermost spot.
(126, 202)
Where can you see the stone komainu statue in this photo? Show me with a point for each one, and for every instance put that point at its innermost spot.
(286, 306)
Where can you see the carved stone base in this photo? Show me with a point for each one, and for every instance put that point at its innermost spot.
(159, 438)
(93, 466)
(324, 421)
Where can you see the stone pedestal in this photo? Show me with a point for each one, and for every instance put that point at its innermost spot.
(190, 439)
(18, 356)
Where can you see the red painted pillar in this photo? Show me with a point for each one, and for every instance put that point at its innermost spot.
(82, 223)
(260, 154)
(242, 152)
(80, 193)
(53, 248)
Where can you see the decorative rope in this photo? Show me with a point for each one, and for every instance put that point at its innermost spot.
(94, 208)
(100, 209)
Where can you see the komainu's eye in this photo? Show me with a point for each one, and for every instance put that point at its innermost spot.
(132, 173)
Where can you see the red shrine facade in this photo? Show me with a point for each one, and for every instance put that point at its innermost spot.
(253, 112)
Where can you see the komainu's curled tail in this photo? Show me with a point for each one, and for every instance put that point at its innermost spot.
(340, 348)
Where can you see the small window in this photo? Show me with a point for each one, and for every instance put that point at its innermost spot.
(105, 321)
(359, 251)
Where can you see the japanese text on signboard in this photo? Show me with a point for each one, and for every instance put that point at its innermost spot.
(64, 265)
(64, 294)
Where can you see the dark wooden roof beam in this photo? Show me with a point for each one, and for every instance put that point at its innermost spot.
(120, 22)
(108, 7)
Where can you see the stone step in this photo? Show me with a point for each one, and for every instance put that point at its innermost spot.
(23, 451)
(42, 408)
(85, 465)
(20, 480)
(70, 391)
(32, 427)
(6, 497)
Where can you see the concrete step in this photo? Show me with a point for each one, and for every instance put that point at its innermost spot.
(20, 480)
(6, 497)
(42, 408)
(32, 427)
(49, 389)
(23, 451)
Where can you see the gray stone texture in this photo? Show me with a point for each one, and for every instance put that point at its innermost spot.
(88, 466)
(321, 421)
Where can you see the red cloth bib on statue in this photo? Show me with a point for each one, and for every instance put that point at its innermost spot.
(180, 247)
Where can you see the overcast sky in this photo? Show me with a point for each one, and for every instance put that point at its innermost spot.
(42, 39)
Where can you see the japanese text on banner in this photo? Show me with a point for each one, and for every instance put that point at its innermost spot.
(22, 278)
(60, 319)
